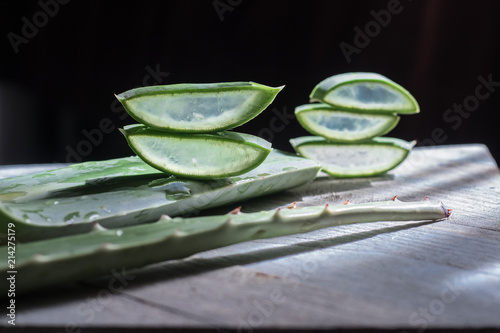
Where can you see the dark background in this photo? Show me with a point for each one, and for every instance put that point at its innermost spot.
(57, 90)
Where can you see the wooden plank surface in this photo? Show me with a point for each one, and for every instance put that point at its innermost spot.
(398, 275)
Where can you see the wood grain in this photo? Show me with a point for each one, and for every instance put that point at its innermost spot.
(400, 275)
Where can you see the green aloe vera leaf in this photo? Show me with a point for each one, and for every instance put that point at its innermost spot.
(51, 262)
(365, 92)
(127, 191)
(197, 108)
(344, 126)
(201, 156)
(363, 159)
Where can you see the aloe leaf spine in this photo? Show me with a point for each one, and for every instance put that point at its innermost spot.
(48, 263)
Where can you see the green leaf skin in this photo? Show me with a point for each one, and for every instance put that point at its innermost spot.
(364, 92)
(127, 191)
(344, 126)
(49, 263)
(197, 156)
(347, 160)
(197, 108)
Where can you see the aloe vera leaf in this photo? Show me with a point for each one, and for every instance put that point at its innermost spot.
(200, 156)
(127, 191)
(51, 262)
(197, 108)
(364, 92)
(344, 126)
(350, 159)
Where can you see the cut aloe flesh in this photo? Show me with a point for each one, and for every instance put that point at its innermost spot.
(365, 92)
(127, 191)
(368, 158)
(49, 263)
(344, 126)
(203, 156)
(197, 108)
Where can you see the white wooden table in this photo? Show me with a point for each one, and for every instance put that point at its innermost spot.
(405, 276)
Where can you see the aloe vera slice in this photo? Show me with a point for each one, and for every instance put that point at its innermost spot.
(52, 262)
(344, 126)
(197, 108)
(127, 191)
(365, 92)
(343, 160)
(202, 156)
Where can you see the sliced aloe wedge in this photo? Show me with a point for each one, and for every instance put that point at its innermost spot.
(344, 126)
(199, 108)
(343, 160)
(202, 156)
(365, 92)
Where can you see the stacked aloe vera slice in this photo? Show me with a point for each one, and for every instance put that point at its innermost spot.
(349, 115)
(184, 128)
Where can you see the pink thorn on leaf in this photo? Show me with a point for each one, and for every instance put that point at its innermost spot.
(236, 211)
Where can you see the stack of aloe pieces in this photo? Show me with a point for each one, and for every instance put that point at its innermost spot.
(350, 114)
(184, 127)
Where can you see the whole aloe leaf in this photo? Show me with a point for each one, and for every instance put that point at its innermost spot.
(50, 262)
(127, 191)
